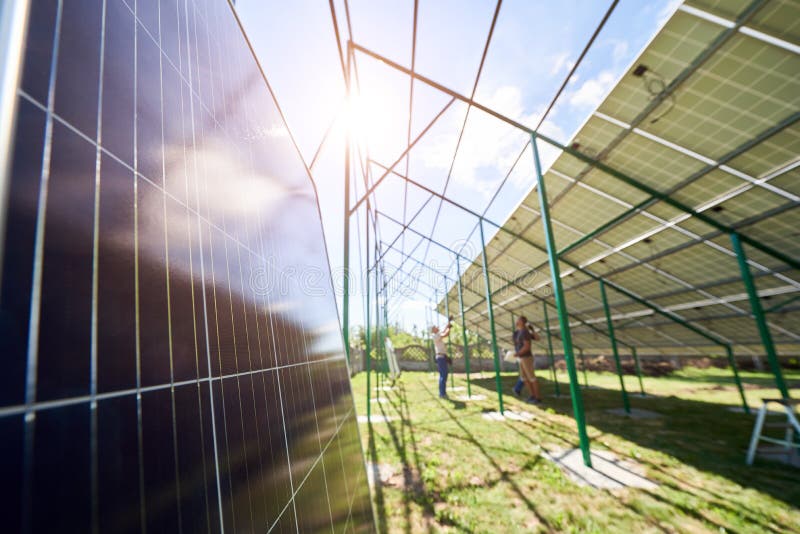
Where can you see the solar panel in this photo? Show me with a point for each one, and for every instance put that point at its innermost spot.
(172, 356)
(723, 141)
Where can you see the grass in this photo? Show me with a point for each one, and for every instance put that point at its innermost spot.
(442, 466)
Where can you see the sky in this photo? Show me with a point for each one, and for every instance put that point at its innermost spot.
(534, 45)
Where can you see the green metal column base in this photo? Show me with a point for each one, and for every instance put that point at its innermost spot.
(758, 314)
(611, 335)
(496, 352)
(463, 327)
(550, 349)
(583, 364)
(732, 361)
(638, 370)
(561, 306)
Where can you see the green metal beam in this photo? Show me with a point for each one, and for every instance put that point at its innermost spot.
(734, 367)
(583, 364)
(378, 182)
(593, 161)
(346, 259)
(638, 370)
(561, 304)
(550, 349)
(733, 154)
(783, 304)
(449, 343)
(666, 313)
(367, 356)
(463, 328)
(614, 350)
(758, 315)
(602, 228)
(473, 262)
(491, 321)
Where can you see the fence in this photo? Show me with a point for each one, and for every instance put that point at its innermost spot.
(420, 358)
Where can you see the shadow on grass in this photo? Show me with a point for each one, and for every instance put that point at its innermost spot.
(502, 473)
(402, 436)
(700, 434)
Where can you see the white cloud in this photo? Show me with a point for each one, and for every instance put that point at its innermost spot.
(561, 61)
(489, 146)
(620, 50)
(592, 91)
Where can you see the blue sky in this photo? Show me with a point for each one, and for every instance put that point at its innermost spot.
(535, 44)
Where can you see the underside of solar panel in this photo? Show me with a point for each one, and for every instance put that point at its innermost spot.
(161, 371)
(699, 139)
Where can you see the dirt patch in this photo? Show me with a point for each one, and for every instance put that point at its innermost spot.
(476, 481)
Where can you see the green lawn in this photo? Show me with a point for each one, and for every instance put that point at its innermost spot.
(444, 467)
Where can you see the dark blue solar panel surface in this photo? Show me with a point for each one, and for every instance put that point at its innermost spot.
(171, 352)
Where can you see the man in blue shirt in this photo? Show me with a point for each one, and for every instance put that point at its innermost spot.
(441, 355)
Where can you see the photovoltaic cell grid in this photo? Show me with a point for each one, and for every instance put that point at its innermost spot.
(725, 143)
(172, 360)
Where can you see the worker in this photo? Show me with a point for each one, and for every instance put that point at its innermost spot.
(442, 359)
(523, 335)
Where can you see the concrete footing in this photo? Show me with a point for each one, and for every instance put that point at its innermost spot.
(607, 471)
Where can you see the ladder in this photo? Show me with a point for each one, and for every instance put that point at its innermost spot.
(791, 426)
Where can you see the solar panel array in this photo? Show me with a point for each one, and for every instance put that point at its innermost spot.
(172, 356)
(725, 142)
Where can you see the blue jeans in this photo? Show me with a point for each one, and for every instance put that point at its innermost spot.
(518, 386)
(441, 363)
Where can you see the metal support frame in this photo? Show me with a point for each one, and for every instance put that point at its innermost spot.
(378, 337)
(346, 258)
(758, 314)
(625, 402)
(594, 162)
(734, 367)
(561, 304)
(550, 349)
(463, 327)
(553, 254)
(616, 174)
(639, 300)
(583, 364)
(449, 343)
(495, 350)
(367, 361)
(638, 370)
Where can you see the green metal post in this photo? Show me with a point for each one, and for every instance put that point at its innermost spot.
(550, 349)
(346, 262)
(758, 314)
(561, 305)
(386, 328)
(732, 361)
(378, 337)
(613, 339)
(463, 328)
(496, 352)
(583, 364)
(638, 370)
(367, 356)
(449, 344)
(434, 313)
(428, 340)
